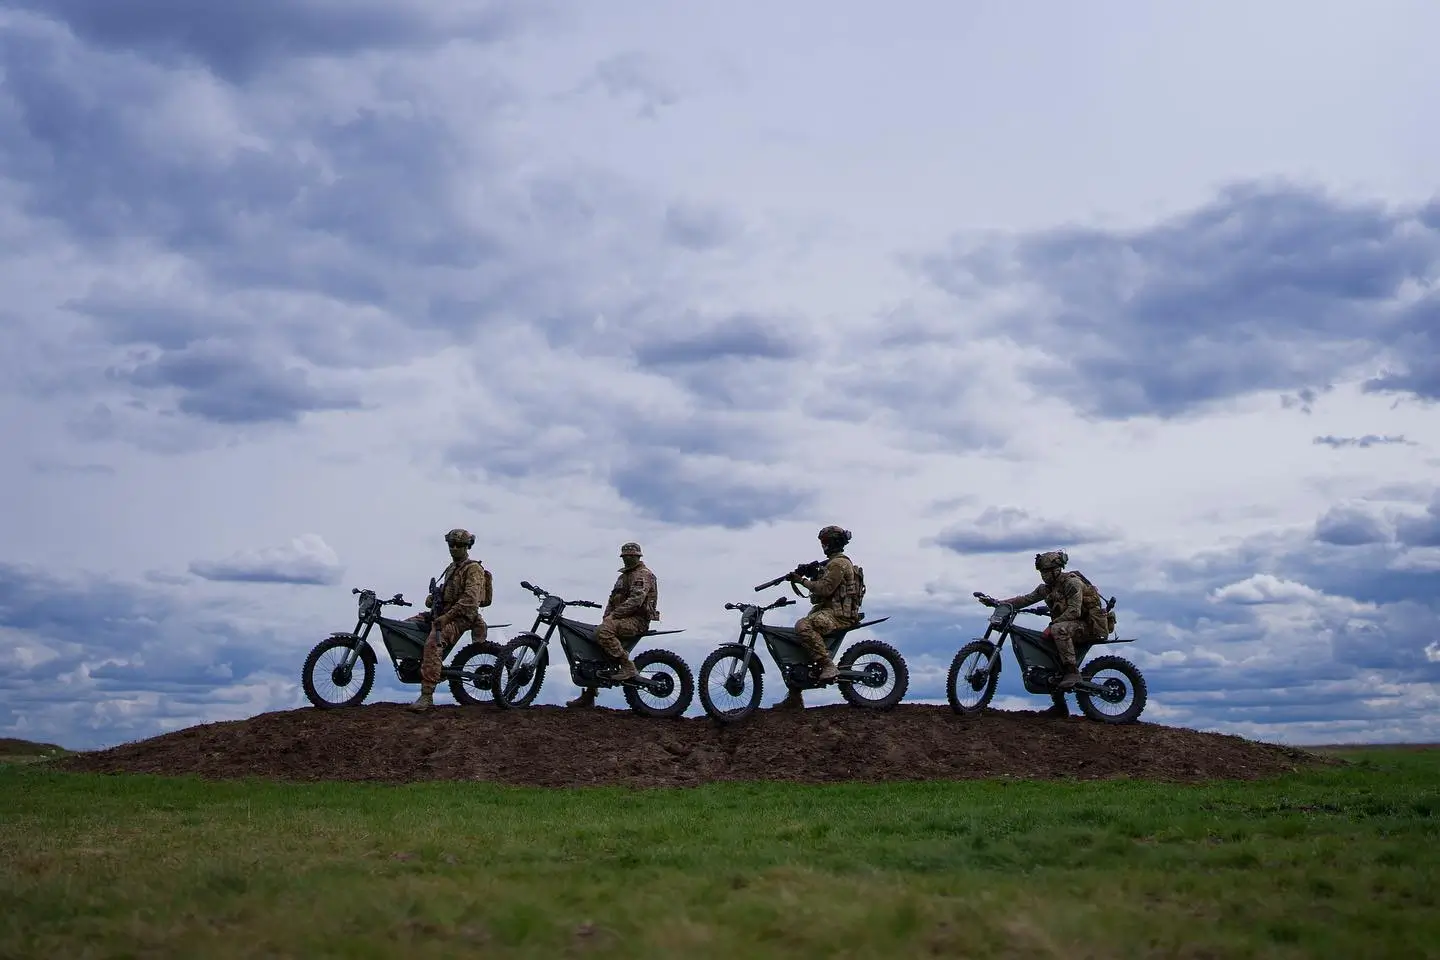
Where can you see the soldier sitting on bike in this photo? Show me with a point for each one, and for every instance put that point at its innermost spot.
(628, 613)
(1064, 594)
(832, 607)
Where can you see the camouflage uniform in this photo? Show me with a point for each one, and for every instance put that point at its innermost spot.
(832, 606)
(628, 613)
(459, 611)
(1064, 594)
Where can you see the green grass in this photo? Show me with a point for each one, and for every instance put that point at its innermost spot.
(1337, 863)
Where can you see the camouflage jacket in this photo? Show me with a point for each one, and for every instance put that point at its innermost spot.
(1065, 599)
(460, 593)
(834, 590)
(636, 594)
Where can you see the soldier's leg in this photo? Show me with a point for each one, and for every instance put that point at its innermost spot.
(437, 644)
(1064, 636)
(617, 629)
(810, 632)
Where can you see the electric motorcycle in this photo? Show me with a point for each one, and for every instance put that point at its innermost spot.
(741, 676)
(470, 670)
(661, 674)
(976, 668)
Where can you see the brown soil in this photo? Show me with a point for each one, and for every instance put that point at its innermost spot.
(555, 747)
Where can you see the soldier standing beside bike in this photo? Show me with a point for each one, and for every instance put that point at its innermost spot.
(628, 613)
(833, 597)
(454, 608)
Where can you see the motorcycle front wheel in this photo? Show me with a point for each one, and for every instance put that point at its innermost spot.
(332, 673)
(520, 672)
(969, 687)
(745, 689)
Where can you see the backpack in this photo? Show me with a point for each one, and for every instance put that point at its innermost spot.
(487, 586)
(1092, 608)
(856, 600)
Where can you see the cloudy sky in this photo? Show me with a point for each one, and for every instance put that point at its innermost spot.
(293, 288)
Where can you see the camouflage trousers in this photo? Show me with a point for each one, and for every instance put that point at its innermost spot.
(439, 643)
(1065, 633)
(614, 629)
(811, 630)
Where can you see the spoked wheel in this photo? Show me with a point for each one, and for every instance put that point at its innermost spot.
(886, 675)
(325, 670)
(970, 686)
(481, 659)
(674, 685)
(520, 672)
(727, 692)
(1125, 694)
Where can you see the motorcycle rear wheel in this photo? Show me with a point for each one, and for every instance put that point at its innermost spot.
(679, 677)
(1086, 701)
(854, 690)
(482, 688)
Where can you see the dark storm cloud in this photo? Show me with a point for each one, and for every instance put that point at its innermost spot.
(1268, 287)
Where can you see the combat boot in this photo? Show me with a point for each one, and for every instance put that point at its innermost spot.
(1058, 707)
(794, 700)
(586, 699)
(1072, 677)
(423, 702)
(625, 671)
(828, 670)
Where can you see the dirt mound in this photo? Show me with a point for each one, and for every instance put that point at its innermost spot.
(554, 747)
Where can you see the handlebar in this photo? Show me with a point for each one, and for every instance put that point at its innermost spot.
(398, 600)
(542, 593)
(782, 602)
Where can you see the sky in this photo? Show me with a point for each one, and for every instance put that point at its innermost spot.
(291, 289)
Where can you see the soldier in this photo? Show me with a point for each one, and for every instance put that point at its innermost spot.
(833, 605)
(461, 596)
(631, 609)
(1064, 594)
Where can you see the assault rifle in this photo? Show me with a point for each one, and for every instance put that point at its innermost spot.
(809, 570)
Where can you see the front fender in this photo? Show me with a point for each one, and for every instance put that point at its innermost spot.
(739, 650)
(366, 652)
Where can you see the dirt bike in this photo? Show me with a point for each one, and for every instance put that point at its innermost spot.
(1041, 668)
(522, 663)
(744, 668)
(469, 671)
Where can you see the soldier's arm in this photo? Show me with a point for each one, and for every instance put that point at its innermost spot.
(1034, 596)
(469, 599)
(634, 603)
(827, 584)
(1071, 599)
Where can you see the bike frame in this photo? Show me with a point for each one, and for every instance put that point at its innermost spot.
(1035, 653)
(404, 639)
(582, 654)
(784, 648)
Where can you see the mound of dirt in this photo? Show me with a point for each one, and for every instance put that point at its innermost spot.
(555, 747)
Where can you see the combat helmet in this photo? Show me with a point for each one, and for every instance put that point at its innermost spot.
(834, 534)
(461, 536)
(1053, 560)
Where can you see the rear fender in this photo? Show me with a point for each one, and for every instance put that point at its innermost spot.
(740, 649)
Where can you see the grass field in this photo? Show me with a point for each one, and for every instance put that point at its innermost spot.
(1339, 863)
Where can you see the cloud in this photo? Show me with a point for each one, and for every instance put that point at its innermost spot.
(1269, 287)
(238, 41)
(1369, 440)
(695, 491)
(1349, 527)
(1421, 531)
(631, 75)
(1013, 530)
(308, 559)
